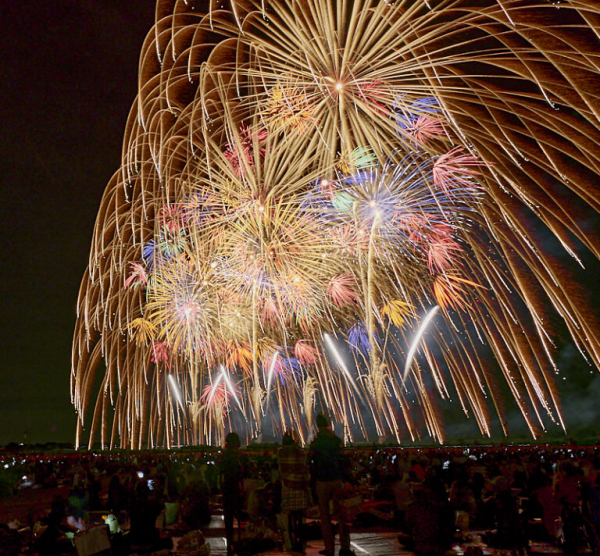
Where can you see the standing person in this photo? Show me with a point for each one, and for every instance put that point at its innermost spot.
(145, 509)
(510, 531)
(232, 471)
(293, 469)
(567, 493)
(326, 471)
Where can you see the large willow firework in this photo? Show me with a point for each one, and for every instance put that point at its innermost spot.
(307, 184)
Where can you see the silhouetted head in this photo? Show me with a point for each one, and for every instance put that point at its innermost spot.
(290, 437)
(232, 440)
(323, 421)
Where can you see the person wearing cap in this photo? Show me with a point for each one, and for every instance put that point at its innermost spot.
(326, 472)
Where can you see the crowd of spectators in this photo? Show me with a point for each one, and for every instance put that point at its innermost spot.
(503, 497)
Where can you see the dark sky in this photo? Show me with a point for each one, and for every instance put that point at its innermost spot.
(68, 77)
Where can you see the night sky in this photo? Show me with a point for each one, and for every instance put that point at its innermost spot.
(68, 77)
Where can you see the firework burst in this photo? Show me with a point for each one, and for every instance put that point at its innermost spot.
(296, 171)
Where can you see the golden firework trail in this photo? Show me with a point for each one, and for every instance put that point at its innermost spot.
(297, 169)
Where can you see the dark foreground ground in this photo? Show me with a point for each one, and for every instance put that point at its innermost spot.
(30, 504)
(24, 508)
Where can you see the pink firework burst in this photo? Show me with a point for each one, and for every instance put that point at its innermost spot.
(216, 396)
(305, 353)
(424, 129)
(160, 353)
(442, 249)
(137, 276)
(172, 217)
(341, 289)
(270, 312)
(240, 154)
(454, 169)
